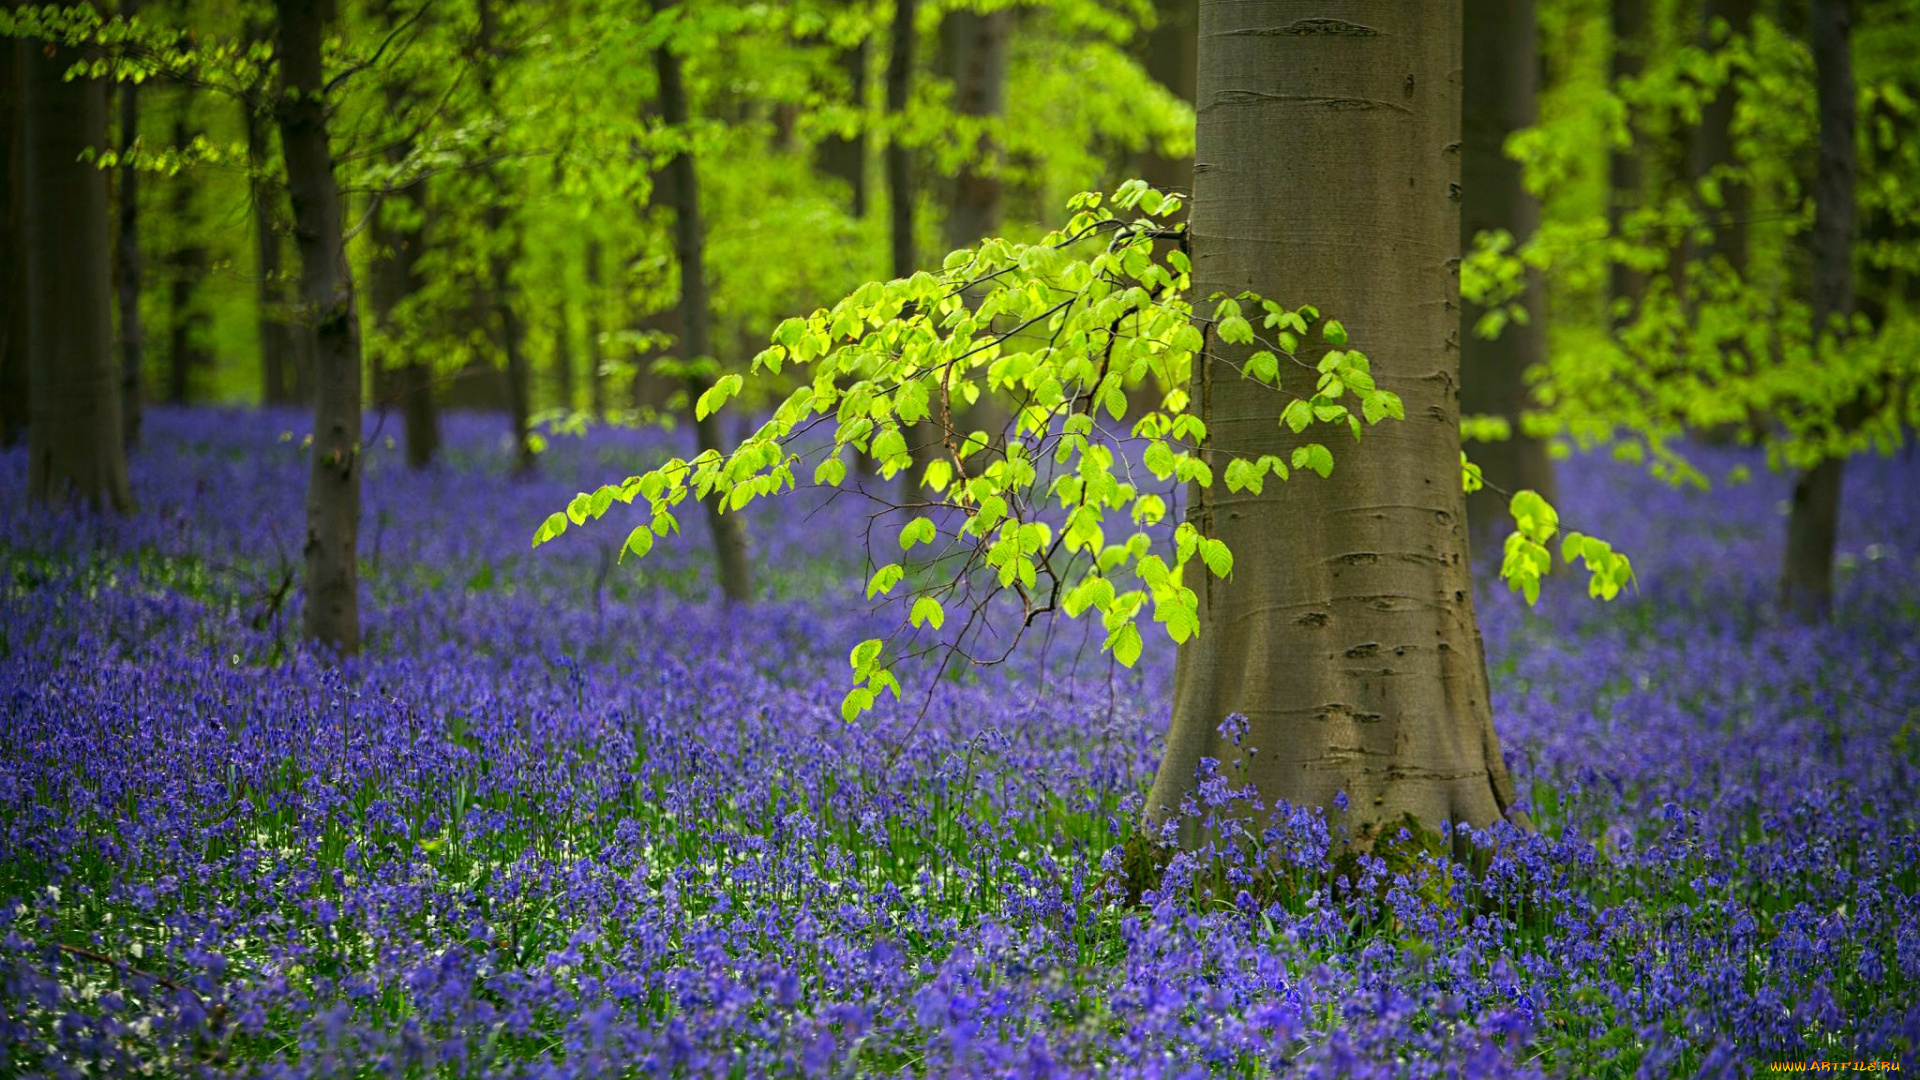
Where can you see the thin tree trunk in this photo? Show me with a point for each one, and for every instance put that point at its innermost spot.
(1501, 65)
(596, 382)
(503, 247)
(75, 447)
(1712, 145)
(14, 390)
(1327, 158)
(395, 273)
(326, 287)
(563, 353)
(1806, 585)
(1173, 54)
(689, 243)
(187, 268)
(977, 57)
(845, 157)
(127, 264)
(1625, 170)
(270, 303)
(899, 158)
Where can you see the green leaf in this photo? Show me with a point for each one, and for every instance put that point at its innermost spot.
(1313, 456)
(1217, 556)
(639, 542)
(1334, 332)
(927, 610)
(858, 700)
(830, 472)
(863, 656)
(884, 579)
(1125, 644)
(550, 528)
(918, 531)
(716, 396)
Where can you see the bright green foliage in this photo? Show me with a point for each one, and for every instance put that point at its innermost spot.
(1055, 511)
(1705, 345)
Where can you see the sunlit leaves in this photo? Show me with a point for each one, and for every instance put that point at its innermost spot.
(1048, 510)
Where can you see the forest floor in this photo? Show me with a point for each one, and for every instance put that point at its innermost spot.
(568, 817)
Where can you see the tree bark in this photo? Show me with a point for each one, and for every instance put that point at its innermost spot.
(14, 390)
(1712, 145)
(563, 353)
(326, 289)
(844, 157)
(187, 267)
(1501, 62)
(1625, 170)
(277, 364)
(503, 251)
(128, 262)
(899, 158)
(689, 248)
(399, 241)
(596, 382)
(976, 46)
(1813, 524)
(74, 438)
(1172, 57)
(1326, 165)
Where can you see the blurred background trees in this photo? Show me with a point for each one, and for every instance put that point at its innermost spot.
(1651, 190)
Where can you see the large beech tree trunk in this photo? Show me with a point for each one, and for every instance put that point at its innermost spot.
(1806, 583)
(74, 439)
(1328, 152)
(1501, 65)
(127, 261)
(326, 290)
(13, 263)
(689, 249)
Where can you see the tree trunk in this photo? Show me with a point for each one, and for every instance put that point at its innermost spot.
(563, 353)
(1625, 170)
(596, 382)
(127, 264)
(276, 337)
(899, 158)
(1712, 145)
(399, 241)
(14, 391)
(1806, 584)
(187, 268)
(845, 157)
(503, 251)
(1172, 55)
(976, 46)
(326, 289)
(74, 438)
(689, 243)
(1501, 67)
(1328, 152)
